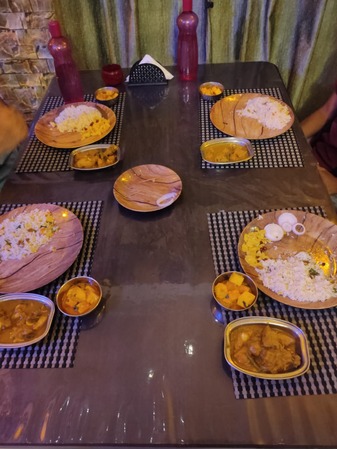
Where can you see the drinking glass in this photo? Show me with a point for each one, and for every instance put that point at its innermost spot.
(112, 74)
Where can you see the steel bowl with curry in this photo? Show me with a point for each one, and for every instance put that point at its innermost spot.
(93, 157)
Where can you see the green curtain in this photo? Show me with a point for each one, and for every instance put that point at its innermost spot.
(299, 36)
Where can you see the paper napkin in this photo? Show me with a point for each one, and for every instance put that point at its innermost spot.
(149, 60)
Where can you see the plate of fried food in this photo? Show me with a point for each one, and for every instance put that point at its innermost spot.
(251, 116)
(291, 255)
(75, 125)
(38, 243)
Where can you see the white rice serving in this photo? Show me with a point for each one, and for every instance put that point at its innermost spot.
(297, 277)
(24, 234)
(77, 118)
(268, 112)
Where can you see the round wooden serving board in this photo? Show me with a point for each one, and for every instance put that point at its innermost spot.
(147, 188)
(319, 240)
(224, 116)
(51, 260)
(50, 135)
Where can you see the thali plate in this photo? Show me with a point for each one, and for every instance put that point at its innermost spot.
(51, 260)
(225, 115)
(147, 188)
(51, 136)
(319, 240)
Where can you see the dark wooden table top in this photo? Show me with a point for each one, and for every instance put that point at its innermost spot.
(152, 371)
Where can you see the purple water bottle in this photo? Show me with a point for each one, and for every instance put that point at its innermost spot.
(66, 71)
(187, 22)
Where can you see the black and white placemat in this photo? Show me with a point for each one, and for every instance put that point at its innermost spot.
(58, 348)
(278, 152)
(39, 157)
(319, 326)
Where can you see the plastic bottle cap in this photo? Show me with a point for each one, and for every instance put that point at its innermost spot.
(54, 28)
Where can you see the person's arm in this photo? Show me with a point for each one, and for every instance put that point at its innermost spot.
(13, 128)
(316, 121)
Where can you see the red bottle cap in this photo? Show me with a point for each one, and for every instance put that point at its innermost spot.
(54, 28)
(187, 5)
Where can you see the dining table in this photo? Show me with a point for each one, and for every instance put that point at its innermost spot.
(147, 367)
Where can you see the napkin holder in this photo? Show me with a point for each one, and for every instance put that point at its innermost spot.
(146, 74)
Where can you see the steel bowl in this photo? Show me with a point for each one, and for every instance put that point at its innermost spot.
(75, 282)
(92, 147)
(102, 95)
(24, 297)
(301, 346)
(247, 281)
(216, 144)
(205, 90)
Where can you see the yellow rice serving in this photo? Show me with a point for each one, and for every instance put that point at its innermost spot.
(24, 234)
(83, 119)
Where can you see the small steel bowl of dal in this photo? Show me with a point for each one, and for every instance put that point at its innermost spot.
(79, 296)
(107, 95)
(230, 150)
(211, 91)
(266, 347)
(234, 291)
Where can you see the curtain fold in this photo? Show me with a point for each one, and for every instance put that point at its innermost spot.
(299, 36)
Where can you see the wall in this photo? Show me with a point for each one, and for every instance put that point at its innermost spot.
(26, 66)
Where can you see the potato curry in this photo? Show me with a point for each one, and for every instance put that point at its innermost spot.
(264, 349)
(22, 320)
(226, 152)
(234, 293)
(96, 158)
(80, 298)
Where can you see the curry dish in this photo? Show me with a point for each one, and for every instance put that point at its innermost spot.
(22, 320)
(80, 298)
(96, 158)
(106, 94)
(264, 349)
(226, 152)
(234, 293)
(210, 89)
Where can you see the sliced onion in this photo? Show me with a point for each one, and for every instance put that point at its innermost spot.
(287, 227)
(298, 229)
(287, 217)
(274, 232)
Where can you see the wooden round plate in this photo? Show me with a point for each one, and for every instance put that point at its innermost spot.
(147, 188)
(225, 116)
(50, 135)
(319, 240)
(51, 260)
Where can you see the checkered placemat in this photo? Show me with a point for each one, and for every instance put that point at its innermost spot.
(278, 152)
(39, 157)
(58, 348)
(319, 326)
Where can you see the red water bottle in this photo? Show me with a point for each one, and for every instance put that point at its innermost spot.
(187, 22)
(66, 71)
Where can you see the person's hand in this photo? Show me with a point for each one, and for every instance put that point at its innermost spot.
(13, 128)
